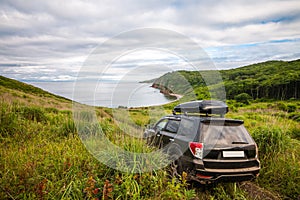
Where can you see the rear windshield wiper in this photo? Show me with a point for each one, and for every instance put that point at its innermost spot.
(239, 142)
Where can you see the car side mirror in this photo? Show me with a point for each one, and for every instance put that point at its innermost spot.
(149, 126)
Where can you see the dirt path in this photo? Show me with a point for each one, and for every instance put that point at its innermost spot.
(257, 193)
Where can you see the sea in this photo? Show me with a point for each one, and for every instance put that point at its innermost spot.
(107, 94)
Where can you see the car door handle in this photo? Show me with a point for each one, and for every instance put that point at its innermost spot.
(172, 140)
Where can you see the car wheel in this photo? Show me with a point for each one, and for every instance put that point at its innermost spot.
(176, 167)
(149, 141)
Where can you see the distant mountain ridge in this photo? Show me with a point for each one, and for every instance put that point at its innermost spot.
(270, 80)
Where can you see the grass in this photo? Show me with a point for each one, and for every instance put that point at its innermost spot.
(46, 159)
(42, 156)
(277, 136)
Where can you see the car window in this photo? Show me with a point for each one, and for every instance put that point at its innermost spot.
(188, 127)
(172, 126)
(160, 125)
(226, 134)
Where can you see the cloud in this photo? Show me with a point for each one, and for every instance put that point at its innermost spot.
(60, 35)
(245, 54)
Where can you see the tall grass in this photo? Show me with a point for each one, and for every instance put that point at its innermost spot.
(276, 135)
(45, 159)
(279, 161)
(42, 157)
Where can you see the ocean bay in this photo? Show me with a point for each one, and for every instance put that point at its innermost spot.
(106, 94)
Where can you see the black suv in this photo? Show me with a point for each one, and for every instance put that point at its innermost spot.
(204, 144)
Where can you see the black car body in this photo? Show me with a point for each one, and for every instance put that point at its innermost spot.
(206, 145)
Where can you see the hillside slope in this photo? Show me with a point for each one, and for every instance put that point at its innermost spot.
(15, 91)
(271, 80)
(42, 157)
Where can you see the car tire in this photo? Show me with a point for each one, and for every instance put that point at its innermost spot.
(176, 167)
(149, 141)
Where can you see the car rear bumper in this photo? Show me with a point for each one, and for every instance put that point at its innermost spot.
(223, 178)
(209, 175)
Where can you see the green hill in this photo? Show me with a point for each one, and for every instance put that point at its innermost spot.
(26, 88)
(271, 80)
(42, 156)
(268, 80)
(22, 93)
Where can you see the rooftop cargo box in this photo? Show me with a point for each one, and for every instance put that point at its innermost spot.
(202, 107)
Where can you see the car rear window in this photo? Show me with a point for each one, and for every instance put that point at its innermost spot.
(225, 134)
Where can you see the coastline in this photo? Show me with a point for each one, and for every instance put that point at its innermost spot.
(178, 96)
(166, 92)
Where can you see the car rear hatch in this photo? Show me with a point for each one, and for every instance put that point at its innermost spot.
(228, 147)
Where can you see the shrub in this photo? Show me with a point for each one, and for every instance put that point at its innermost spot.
(33, 113)
(291, 108)
(270, 140)
(294, 132)
(287, 107)
(8, 120)
(52, 110)
(294, 116)
(68, 127)
(281, 106)
(243, 98)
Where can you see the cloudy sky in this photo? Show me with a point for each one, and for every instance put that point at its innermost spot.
(51, 39)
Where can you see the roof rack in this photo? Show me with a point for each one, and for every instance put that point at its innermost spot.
(207, 107)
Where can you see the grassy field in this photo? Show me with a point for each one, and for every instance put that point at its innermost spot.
(42, 156)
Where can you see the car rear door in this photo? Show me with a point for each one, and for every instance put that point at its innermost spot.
(227, 145)
(158, 129)
(169, 132)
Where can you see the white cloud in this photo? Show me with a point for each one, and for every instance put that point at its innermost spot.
(61, 34)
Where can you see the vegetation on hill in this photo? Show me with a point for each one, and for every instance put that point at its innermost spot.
(270, 80)
(26, 88)
(42, 156)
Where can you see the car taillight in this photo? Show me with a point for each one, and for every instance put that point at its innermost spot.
(256, 151)
(197, 149)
